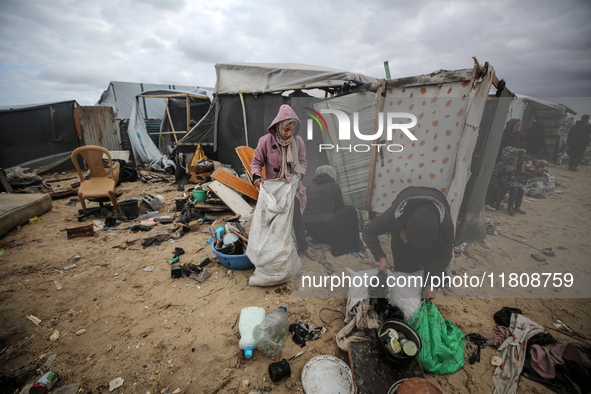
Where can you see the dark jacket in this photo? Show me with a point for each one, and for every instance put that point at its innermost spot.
(579, 134)
(324, 196)
(393, 221)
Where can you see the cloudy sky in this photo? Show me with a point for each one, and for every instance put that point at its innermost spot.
(67, 49)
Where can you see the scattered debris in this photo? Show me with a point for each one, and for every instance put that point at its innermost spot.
(115, 384)
(83, 229)
(34, 319)
(496, 361)
(537, 257)
(50, 361)
(80, 332)
(149, 269)
(55, 335)
(492, 227)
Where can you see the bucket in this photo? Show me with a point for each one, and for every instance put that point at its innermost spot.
(129, 208)
(199, 195)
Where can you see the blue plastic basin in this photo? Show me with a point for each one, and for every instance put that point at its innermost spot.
(233, 262)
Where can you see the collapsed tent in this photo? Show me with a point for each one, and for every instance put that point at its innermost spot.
(122, 97)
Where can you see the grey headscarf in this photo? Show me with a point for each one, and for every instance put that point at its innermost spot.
(329, 170)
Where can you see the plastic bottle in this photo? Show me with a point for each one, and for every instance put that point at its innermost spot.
(270, 335)
(250, 317)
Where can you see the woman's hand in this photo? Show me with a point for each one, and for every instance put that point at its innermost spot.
(300, 175)
(383, 265)
(258, 182)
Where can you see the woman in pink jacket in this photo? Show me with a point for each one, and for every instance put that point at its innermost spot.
(283, 154)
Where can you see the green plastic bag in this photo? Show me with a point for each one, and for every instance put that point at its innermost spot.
(443, 343)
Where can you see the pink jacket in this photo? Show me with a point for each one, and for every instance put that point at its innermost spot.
(267, 152)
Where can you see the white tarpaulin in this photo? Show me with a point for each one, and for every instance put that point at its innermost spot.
(270, 246)
(234, 78)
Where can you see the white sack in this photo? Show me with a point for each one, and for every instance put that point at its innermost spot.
(270, 246)
(407, 298)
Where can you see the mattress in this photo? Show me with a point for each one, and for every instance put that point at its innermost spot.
(18, 208)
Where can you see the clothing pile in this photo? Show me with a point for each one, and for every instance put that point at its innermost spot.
(527, 349)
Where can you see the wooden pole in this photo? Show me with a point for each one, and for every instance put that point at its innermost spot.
(374, 152)
(188, 105)
(170, 120)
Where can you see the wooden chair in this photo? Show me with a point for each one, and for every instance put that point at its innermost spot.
(99, 186)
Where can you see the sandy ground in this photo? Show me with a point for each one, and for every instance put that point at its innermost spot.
(161, 334)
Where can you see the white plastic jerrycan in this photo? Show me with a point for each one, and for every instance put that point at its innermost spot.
(250, 317)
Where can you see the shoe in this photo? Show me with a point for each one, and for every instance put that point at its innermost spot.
(510, 211)
(520, 211)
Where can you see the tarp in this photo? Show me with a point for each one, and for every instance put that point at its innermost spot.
(122, 96)
(448, 107)
(31, 132)
(144, 149)
(234, 78)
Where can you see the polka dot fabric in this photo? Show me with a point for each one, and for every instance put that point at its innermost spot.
(428, 161)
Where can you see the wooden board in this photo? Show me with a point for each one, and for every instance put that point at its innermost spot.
(232, 199)
(236, 183)
(246, 154)
(374, 373)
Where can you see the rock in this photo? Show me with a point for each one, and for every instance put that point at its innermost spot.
(55, 335)
(496, 361)
(115, 384)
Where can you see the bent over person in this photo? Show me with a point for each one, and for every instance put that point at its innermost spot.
(421, 229)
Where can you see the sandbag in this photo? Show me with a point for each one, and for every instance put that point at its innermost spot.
(270, 245)
(443, 342)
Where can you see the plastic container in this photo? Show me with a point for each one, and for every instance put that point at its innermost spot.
(129, 208)
(199, 195)
(270, 335)
(250, 317)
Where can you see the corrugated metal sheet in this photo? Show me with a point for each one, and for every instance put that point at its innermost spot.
(99, 127)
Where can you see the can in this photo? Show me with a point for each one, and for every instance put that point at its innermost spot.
(394, 347)
(409, 348)
(390, 333)
(46, 383)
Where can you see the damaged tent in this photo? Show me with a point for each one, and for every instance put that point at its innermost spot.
(448, 107)
(551, 117)
(184, 106)
(122, 97)
(246, 99)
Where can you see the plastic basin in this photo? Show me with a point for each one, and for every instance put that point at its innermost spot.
(233, 262)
